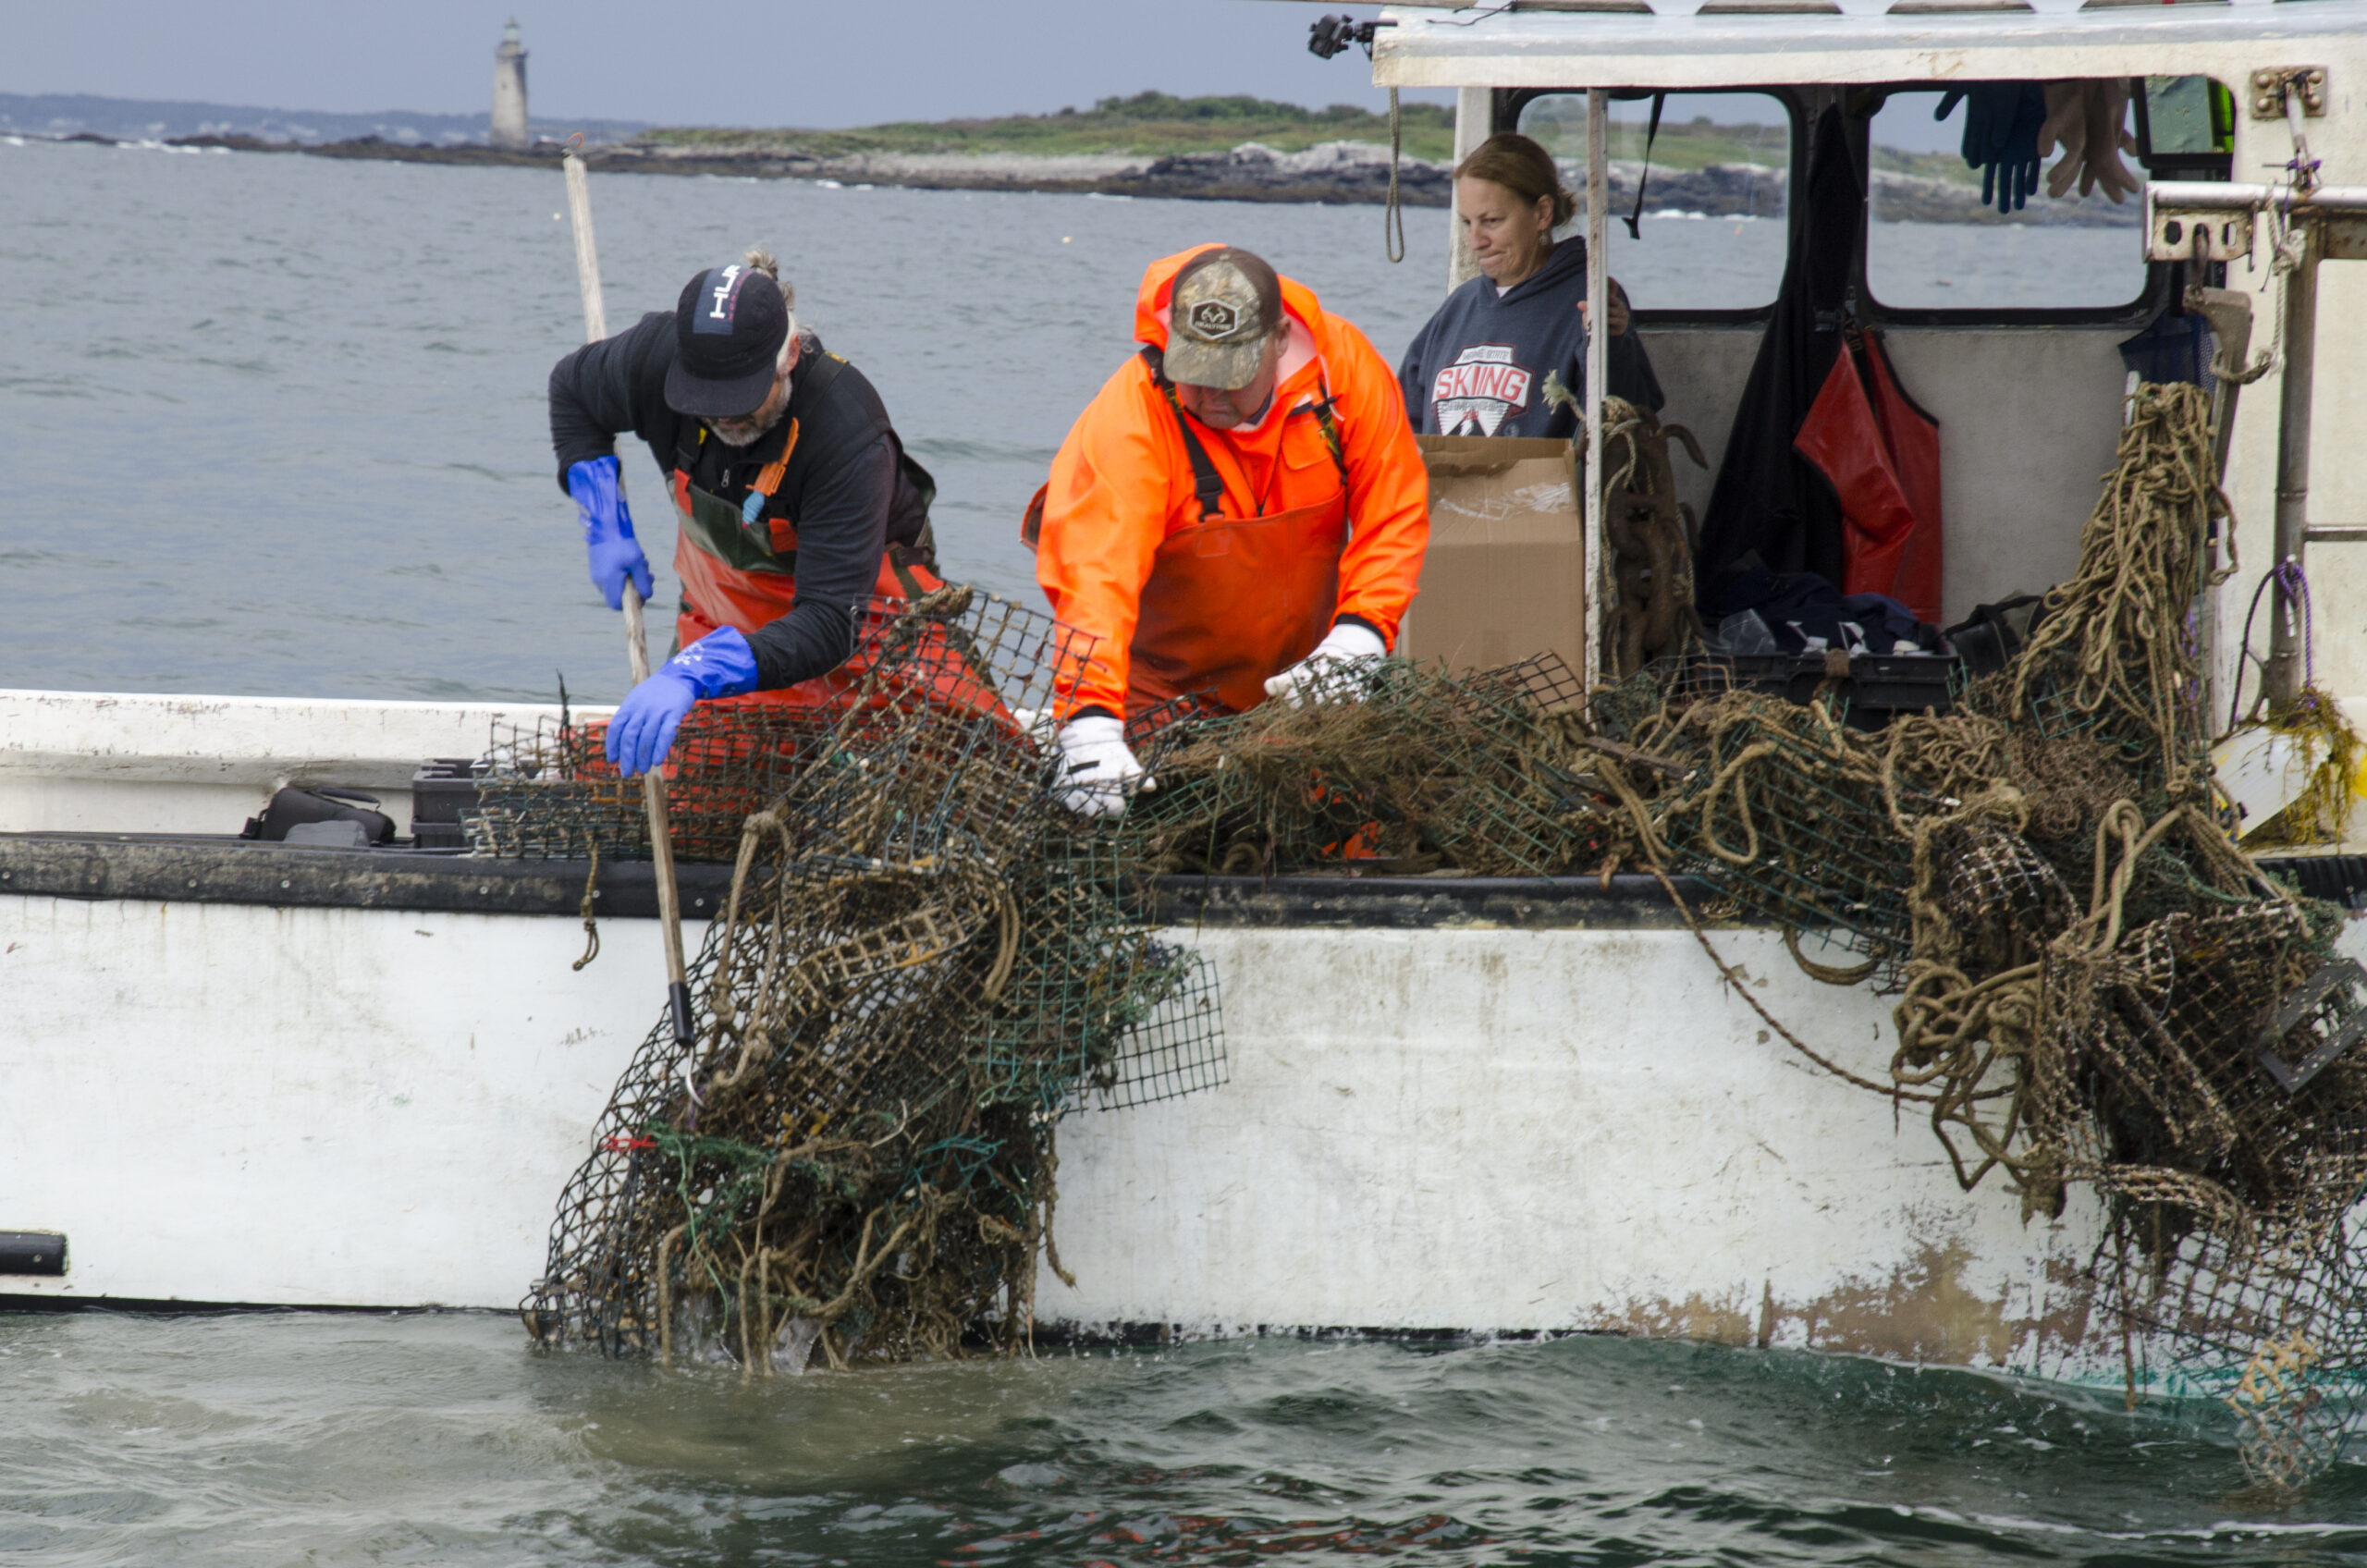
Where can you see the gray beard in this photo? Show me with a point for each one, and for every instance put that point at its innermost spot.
(788, 392)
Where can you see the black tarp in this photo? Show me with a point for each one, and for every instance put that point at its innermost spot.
(1767, 499)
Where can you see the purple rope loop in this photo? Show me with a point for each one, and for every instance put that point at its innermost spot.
(2293, 587)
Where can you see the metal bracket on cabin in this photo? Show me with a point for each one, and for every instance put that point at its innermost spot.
(2229, 312)
(2189, 220)
(2327, 998)
(2191, 232)
(2271, 85)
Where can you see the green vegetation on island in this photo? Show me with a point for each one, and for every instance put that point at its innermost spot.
(1559, 123)
(1147, 125)
(1160, 124)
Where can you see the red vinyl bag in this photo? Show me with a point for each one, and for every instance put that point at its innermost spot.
(1882, 456)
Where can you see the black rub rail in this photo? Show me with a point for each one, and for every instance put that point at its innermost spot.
(239, 871)
(236, 871)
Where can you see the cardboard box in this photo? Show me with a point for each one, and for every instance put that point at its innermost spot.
(1505, 575)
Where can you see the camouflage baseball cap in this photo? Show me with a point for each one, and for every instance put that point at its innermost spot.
(1227, 302)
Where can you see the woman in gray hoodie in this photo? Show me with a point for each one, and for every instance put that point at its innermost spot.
(1482, 364)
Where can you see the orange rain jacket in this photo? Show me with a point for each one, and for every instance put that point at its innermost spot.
(1121, 488)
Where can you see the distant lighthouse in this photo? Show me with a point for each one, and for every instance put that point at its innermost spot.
(509, 91)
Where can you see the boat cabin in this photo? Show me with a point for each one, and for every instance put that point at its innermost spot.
(2011, 329)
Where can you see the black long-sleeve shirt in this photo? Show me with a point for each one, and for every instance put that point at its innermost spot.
(850, 490)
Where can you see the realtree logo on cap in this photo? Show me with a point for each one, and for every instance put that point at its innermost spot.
(1214, 320)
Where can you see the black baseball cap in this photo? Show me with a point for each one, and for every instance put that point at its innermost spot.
(728, 333)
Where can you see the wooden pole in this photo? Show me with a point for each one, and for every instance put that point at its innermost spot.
(587, 253)
(653, 784)
(1596, 563)
(1474, 109)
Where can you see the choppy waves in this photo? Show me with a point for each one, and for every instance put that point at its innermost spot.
(427, 1438)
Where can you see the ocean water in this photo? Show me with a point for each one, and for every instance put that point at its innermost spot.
(251, 1441)
(277, 424)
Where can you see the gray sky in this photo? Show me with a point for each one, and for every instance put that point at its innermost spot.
(801, 63)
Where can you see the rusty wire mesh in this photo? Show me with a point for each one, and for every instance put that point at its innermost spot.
(1392, 764)
(1094, 1004)
(2097, 987)
(1781, 812)
(547, 791)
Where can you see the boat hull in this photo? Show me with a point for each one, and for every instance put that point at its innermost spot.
(1431, 1122)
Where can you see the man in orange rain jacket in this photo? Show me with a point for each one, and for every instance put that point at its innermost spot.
(1241, 506)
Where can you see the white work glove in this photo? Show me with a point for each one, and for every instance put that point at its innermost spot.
(1098, 772)
(1316, 677)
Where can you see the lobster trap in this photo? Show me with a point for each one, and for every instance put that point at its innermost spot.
(918, 971)
(1783, 813)
(1388, 764)
(1096, 1008)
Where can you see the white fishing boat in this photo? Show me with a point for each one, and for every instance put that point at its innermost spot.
(241, 1072)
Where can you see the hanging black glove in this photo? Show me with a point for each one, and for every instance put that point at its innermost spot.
(2001, 126)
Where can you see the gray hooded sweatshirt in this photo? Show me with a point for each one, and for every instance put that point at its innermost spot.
(1479, 367)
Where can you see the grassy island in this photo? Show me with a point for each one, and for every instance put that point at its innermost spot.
(1160, 124)
(1147, 125)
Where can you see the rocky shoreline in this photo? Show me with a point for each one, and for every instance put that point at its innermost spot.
(1332, 171)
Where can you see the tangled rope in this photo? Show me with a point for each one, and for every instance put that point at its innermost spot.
(1650, 534)
(2087, 964)
(2114, 654)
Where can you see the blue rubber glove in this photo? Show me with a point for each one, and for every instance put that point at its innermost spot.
(607, 529)
(2001, 126)
(718, 665)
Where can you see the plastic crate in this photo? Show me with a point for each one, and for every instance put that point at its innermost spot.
(440, 791)
(1870, 687)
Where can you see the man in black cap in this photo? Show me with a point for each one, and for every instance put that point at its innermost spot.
(796, 499)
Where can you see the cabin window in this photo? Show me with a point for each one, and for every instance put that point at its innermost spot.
(2186, 127)
(1932, 244)
(1711, 233)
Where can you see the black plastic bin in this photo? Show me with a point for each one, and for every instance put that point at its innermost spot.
(1874, 686)
(2339, 879)
(440, 790)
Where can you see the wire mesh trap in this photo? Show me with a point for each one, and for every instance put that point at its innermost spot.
(1390, 766)
(1791, 821)
(919, 969)
(1095, 1005)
